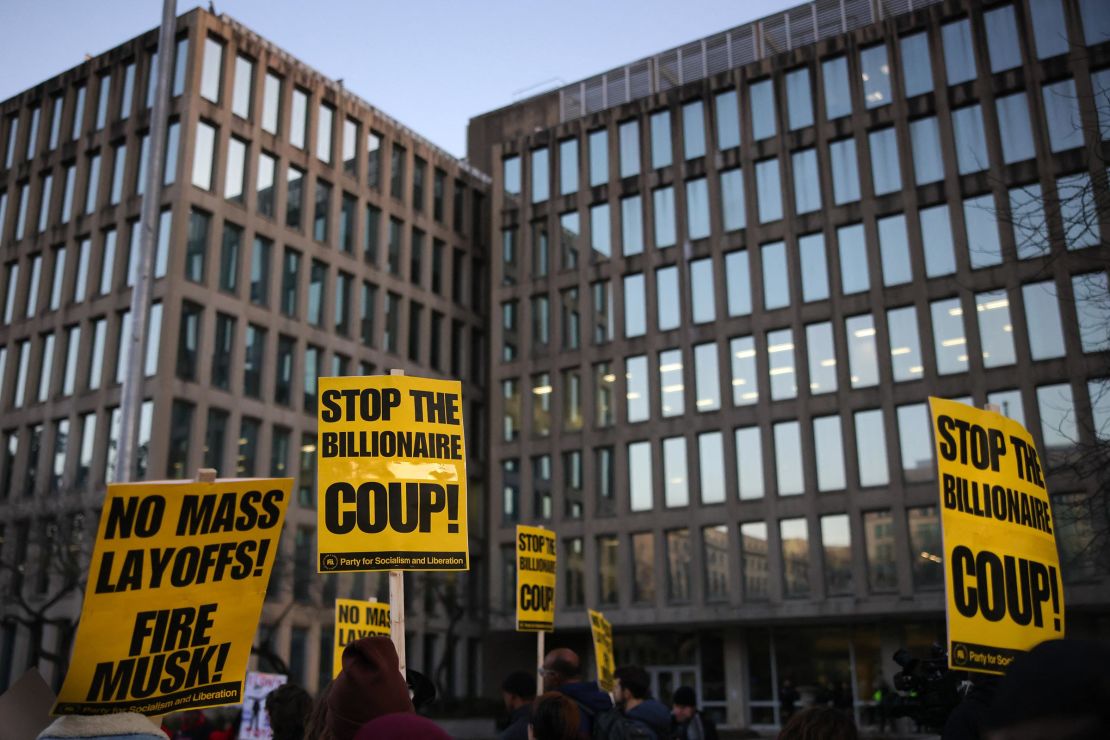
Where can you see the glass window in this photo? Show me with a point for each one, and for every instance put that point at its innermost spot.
(905, 345)
(203, 156)
(822, 358)
(374, 165)
(845, 175)
(875, 72)
(1061, 108)
(711, 464)
(838, 95)
(643, 567)
(672, 395)
(1009, 402)
(928, 164)
(776, 279)
(540, 175)
(298, 118)
(854, 276)
(678, 565)
(510, 174)
(716, 558)
(862, 360)
(1077, 536)
(732, 199)
(632, 225)
(271, 102)
(236, 161)
(1078, 210)
(602, 311)
(702, 299)
(936, 238)
(807, 183)
(1092, 310)
(749, 463)
(1042, 315)
(815, 278)
(769, 190)
(243, 89)
(212, 70)
(949, 339)
(350, 146)
(1013, 125)
(568, 166)
(666, 231)
(915, 440)
(1058, 422)
(707, 383)
(1002, 38)
(894, 249)
(878, 535)
(676, 490)
(995, 330)
(788, 451)
(738, 283)
(1096, 21)
(604, 378)
(196, 246)
(693, 130)
(541, 320)
(572, 400)
(638, 402)
(836, 544)
(753, 558)
(959, 54)
(324, 123)
(728, 120)
(970, 141)
(1049, 28)
(599, 158)
(761, 97)
(635, 305)
(1100, 82)
(983, 244)
(229, 257)
(1028, 219)
(640, 485)
(660, 139)
(264, 188)
(667, 300)
(629, 135)
(871, 448)
(321, 211)
(799, 99)
(795, 557)
(745, 383)
(886, 174)
(917, 68)
(829, 448)
(697, 208)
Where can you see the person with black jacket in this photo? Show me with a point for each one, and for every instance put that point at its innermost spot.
(687, 723)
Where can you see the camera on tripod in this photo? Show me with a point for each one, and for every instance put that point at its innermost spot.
(927, 689)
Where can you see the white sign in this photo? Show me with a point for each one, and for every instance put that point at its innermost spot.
(255, 724)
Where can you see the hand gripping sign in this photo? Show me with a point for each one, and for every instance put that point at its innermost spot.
(392, 475)
(355, 620)
(535, 579)
(1001, 567)
(175, 589)
(603, 649)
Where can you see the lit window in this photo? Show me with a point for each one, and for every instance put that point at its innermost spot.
(672, 390)
(905, 346)
(780, 362)
(950, 341)
(875, 72)
(822, 358)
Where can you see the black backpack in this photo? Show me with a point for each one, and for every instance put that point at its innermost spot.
(612, 725)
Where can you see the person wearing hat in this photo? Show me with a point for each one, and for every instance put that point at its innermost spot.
(687, 723)
(369, 686)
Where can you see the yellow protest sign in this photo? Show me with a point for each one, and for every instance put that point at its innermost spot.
(355, 619)
(535, 579)
(176, 582)
(603, 649)
(392, 475)
(1001, 567)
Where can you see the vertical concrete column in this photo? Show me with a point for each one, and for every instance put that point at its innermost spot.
(736, 676)
(890, 639)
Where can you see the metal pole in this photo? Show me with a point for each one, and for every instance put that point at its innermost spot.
(134, 352)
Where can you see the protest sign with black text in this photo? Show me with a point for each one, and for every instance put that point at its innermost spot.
(355, 620)
(602, 633)
(535, 579)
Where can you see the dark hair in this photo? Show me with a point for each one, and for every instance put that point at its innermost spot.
(316, 726)
(684, 696)
(634, 679)
(819, 723)
(554, 717)
(288, 706)
(519, 683)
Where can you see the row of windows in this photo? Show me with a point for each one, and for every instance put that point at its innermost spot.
(872, 72)
(787, 444)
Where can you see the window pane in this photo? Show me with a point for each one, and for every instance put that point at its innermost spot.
(845, 176)
(1092, 310)
(838, 96)
(996, 335)
(660, 139)
(894, 249)
(917, 68)
(788, 451)
(1013, 125)
(983, 244)
(666, 231)
(707, 377)
(738, 283)
(928, 165)
(836, 543)
(795, 557)
(1028, 220)
(1042, 315)
(871, 448)
(271, 102)
(643, 567)
(970, 141)
(1002, 38)
(822, 358)
(915, 440)
(753, 553)
(629, 133)
(815, 278)
(1096, 21)
(745, 384)
(667, 298)
(768, 190)
(702, 299)
(780, 351)
(949, 340)
(875, 72)
(540, 177)
(885, 171)
(635, 319)
(716, 559)
(959, 55)
(243, 86)
(878, 535)
(807, 184)
(1010, 403)
(697, 208)
(761, 97)
(1058, 423)
(732, 199)
(862, 360)
(1061, 108)
(854, 276)
(211, 71)
(776, 283)
(1049, 29)
(324, 124)
(599, 158)
(640, 485)
(711, 461)
(905, 346)
(236, 161)
(925, 547)
(202, 156)
(676, 490)
(600, 230)
(749, 463)
(936, 237)
(510, 175)
(829, 449)
(693, 130)
(1078, 210)
(632, 225)
(568, 166)
(636, 382)
(728, 120)
(799, 99)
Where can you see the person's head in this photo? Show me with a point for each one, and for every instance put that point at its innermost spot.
(407, 725)
(554, 717)
(819, 723)
(684, 704)
(560, 666)
(369, 686)
(288, 706)
(632, 685)
(518, 689)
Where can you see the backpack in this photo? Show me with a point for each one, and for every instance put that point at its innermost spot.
(612, 725)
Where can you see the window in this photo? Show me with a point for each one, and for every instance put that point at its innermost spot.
(845, 176)
(181, 423)
(253, 360)
(1042, 315)
(608, 591)
(671, 389)
(948, 336)
(936, 238)
(728, 120)
(1014, 128)
(91, 190)
(294, 197)
(894, 249)
(1061, 107)
(1027, 217)
(761, 97)
(745, 383)
(229, 257)
(568, 166)
(1058, 423)
(1002, 38)
(871, 448)
(666, 231)
(313, 362)
(271, 102)
(807, 183)
(769, 190)
(702, 300)
(693, 130)
(196, 247)
(222, 350)
(1049, 28)
(1090, 291)
(44, 199)
(321, 212)
(862, 356)
(298, 119)
(188, 341)
(749, 463)
(732, 199)
(799, 99)
(204, 156)
(641, 487)
(917, 68)
(707, 385)
(324, 124)
(316, 277)
(540, 176)
(875, 72)
(419, 168)
(854, 277)
(342, 304)
(711, 464)
(676, 490)
(678, 565)
(169, 166)
(738, 283)
(212, 71)
(510, 174)
(290, 277)
(541, 320)
(959, 54)
(776, 277)
(878, 536)
(886, 174)
(599, 229)
(822, 358)
(716, 559)
(753, 560)
(905, 347)
(629, 135)
(983, 246)
(570, 318)
(1078, 211)
(67, 196)
(914, 435)
(838, 95)
(829, 449)
(104, 92)
(794, 537)
(836, 544)
(236, 170)
(374, 160)
(632, 225)
(660, 139)
(788, 451)
(780, 361)
(995, 330)
(697, 208)
(636, 393)
(243, 90)
(1096, 22)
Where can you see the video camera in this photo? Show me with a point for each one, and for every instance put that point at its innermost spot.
(927, 690)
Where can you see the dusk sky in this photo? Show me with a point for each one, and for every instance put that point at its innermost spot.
(431, 65)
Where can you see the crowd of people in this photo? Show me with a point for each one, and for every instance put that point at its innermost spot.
(1059, 690)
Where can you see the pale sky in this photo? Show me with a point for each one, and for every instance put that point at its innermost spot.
(431, 64)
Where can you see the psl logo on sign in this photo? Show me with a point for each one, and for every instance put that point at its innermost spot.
(175, 589)
(535, 579)
(255, 722)
(1001, 567)
(602, 633)
(392, 475)
(354, 620)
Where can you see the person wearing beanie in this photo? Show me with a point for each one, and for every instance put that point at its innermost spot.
(687, 722)
(119, 726)
(401, 726)
(369, 686)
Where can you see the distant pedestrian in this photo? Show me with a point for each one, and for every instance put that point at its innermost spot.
(562, 672)
(687, 722)
(288, 707)
(518, 691)
(633, 697)
(555, 716)
(819, 723)
(788, 699)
